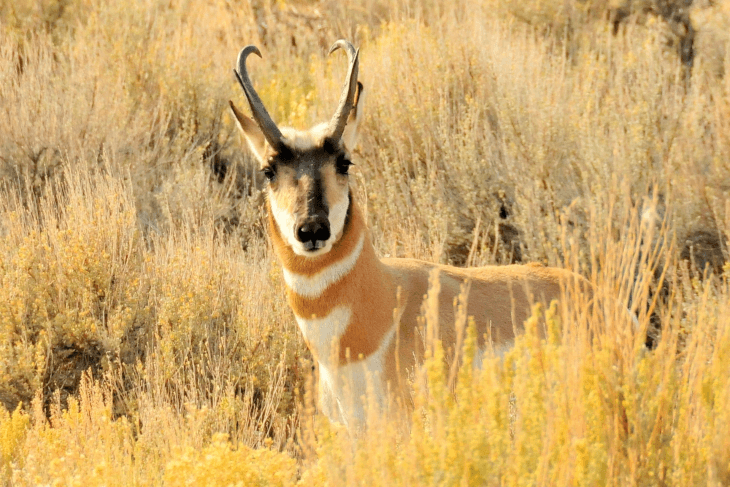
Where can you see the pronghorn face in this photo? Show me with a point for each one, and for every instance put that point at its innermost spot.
(307, 171)
(309, 195)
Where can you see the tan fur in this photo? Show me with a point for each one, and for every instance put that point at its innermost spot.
(499, 299)
(345, 296)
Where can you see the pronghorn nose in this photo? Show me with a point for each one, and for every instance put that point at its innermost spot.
(313, 233)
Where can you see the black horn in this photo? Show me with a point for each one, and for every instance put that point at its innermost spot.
(262, 117)
(339, 120)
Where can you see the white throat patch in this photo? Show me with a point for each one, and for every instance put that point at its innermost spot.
(313, 286)
(321, 332)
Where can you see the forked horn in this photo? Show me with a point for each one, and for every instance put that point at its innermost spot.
(339, 120)
(262, 117)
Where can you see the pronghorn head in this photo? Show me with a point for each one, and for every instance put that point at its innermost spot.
(307, 171)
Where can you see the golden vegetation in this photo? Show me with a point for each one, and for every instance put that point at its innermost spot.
(144, 337)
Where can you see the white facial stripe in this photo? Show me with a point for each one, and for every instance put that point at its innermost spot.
(285, 221)
(320, 332)
(312, 287)
(338, 215)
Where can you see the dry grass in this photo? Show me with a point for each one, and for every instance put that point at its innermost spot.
(144, 337)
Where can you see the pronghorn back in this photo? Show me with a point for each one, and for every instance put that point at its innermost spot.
(359, 314)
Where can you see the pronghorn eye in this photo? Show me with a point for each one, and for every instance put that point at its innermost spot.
(269, 172)
(343, 165)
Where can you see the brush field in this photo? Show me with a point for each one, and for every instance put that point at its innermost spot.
(144, 333)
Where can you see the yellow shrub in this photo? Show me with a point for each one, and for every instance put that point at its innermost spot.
(223, 464)
(13, 429)
(67, 285)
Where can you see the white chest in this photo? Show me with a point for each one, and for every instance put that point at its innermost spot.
(323, 334)
(344, 389)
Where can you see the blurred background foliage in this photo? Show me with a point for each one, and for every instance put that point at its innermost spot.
(141, 309)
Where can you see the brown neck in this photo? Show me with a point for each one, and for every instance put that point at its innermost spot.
(367, 288)
(308, 266)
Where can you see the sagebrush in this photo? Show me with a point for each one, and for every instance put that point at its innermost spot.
(144, 337)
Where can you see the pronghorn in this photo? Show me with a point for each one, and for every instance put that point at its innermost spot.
(358, 313)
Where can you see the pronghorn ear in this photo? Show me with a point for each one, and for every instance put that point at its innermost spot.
(349, 136)
(254, 135)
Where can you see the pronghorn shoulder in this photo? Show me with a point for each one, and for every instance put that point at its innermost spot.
(410, 274)
(529, 270)
(409, 265)
(533, 271)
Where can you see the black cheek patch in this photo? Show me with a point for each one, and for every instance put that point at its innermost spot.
(284, 155)
(330, 146)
